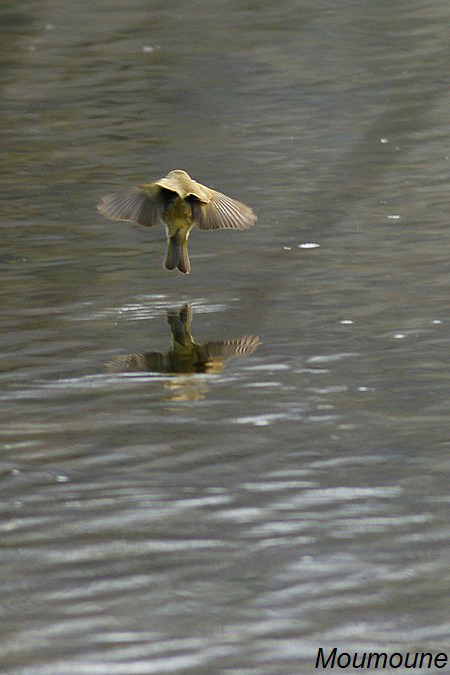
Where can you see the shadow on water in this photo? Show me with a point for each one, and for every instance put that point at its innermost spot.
(185, 357)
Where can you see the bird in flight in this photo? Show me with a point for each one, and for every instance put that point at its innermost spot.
(179, 203)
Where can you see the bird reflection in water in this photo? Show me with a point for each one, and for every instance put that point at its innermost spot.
(185, 357)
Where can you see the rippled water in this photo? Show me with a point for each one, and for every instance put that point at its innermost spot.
(294, 494)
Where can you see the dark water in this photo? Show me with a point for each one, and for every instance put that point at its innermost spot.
(292, 497)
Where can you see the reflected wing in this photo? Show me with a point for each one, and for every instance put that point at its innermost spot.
(228, 349)
(139, 363)
(140, 206)
(222, 212)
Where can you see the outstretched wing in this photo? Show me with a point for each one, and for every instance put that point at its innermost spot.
(143, 206)
(222, 212)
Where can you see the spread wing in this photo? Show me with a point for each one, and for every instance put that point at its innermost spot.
(142, 204)
(222, 212)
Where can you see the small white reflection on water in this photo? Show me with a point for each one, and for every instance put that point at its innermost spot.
(141, 308)
(325, 358)
(268, 366)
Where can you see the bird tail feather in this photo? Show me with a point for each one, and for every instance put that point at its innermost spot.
(177, 254)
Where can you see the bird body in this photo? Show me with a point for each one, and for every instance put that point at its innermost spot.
(179, 203)
(179, 223)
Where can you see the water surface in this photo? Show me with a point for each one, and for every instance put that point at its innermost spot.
(232, 520)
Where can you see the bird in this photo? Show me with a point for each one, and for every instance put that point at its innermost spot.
(179, 203)
(185, 355)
